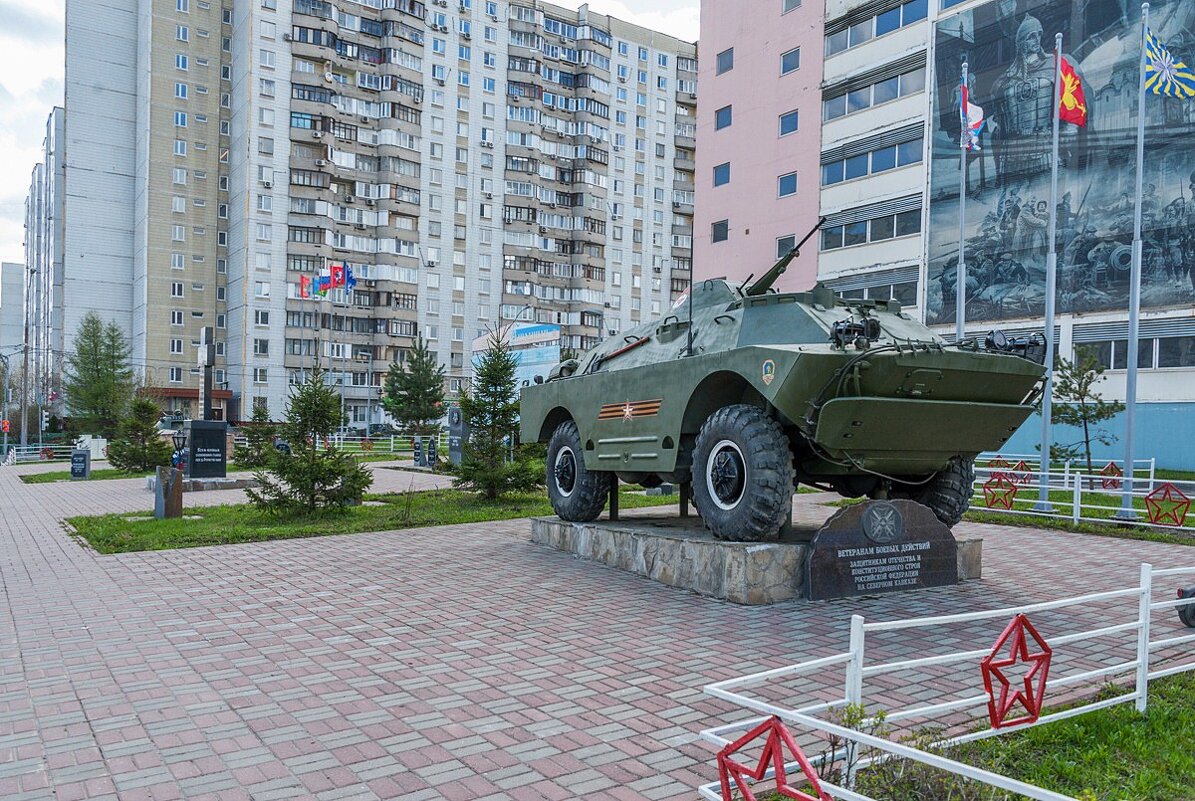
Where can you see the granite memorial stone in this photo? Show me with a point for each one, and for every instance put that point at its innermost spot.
(880, 546)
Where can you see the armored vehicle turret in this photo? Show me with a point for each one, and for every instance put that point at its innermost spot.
(746, 393)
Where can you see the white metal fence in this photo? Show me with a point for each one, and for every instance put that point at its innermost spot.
(38, 453)
(1135, 634)
(1011, 484)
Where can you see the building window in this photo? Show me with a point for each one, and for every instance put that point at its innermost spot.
(787, 184)
(784, 244)
(877, 229)
(260, 375)
(788, 5)
(261, 289)
(789, 123)
(176, 317)
(261, 347)
(725, 61)
(180, 147)
(790, 61)
(720, 231)
(178, 233)
(881, 92)
(722, 174)
(875, 161)
(182, 33)
(723, 118)
(176, 289)
(885, 22)
(180, 61)
(176, 375)
(180, 91)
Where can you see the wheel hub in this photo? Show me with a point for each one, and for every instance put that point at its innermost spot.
(726, 474)
(565, 471)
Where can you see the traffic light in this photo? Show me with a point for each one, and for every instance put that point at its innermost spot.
(45, 419)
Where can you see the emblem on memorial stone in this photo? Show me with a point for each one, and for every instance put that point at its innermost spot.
(882, 523)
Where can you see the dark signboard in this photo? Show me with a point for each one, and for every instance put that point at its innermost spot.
(1008, 47)
(80, 464)
(431, 452)
(878, 547)
(417, 451)
(207, 447)
(458, 433)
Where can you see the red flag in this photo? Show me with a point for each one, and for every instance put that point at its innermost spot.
(337, 275)
(304, 286)
(1072, 105)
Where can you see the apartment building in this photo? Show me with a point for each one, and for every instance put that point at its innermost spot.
(889, 172)
(146, 182)
(473, 164)
(44, 267)
(758, 135)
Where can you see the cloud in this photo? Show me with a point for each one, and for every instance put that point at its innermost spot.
(677, 18)
(29, 23)
(31, 80)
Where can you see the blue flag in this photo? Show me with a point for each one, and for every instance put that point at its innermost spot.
(350, 280)
(1164, 74)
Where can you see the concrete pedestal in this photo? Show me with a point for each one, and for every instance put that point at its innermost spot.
(682, 553)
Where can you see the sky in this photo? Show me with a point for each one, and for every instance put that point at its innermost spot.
(31, 67)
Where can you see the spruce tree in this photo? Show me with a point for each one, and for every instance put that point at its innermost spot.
(1078, 403)
(139, 446)
(315, 476)
(414, 395)
(260, 433)
(493, 462)
(97, 379)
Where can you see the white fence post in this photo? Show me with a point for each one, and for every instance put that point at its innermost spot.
(1077, 497)
(1153, 464)
(854, 690)
(1143, 636)
(1066, 473)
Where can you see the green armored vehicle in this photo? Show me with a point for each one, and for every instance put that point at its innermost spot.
(747, 393)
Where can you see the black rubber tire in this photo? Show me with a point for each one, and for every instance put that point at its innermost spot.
(581, 497)
(948, 494)
(759, 500)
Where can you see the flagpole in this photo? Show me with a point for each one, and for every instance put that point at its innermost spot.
(1047, 400)
(1130, 404)
(960, 291)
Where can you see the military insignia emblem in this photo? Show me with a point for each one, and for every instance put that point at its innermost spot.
(882, 523)
(769, 371)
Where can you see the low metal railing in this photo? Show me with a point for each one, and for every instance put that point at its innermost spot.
(1136, 634)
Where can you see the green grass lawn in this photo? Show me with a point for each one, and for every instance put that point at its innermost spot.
(222, 525)
(97, 474)
(1110, 754)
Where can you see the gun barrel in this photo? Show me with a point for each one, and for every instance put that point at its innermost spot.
(767, 279)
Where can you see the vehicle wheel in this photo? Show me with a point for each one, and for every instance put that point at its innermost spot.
(742, 475)
(577, 494)
(948, 494)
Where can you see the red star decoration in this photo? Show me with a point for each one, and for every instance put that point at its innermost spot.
(999, 461)
(628, 411)
(776, 738)
(1112, 474)
(999, 491)
(1021, 473)
(1167, 506)
(1005, 695)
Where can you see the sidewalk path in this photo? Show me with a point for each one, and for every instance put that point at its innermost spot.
(459, 662)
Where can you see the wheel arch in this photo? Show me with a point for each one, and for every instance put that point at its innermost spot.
(552, 421)
(718, 389)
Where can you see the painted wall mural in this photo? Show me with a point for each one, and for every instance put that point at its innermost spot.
(1009, 49)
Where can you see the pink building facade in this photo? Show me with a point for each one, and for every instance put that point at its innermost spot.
(758, 138)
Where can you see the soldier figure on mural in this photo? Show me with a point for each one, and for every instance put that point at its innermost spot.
(1024, 109)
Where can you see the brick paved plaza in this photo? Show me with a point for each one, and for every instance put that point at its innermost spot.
(460, 662)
